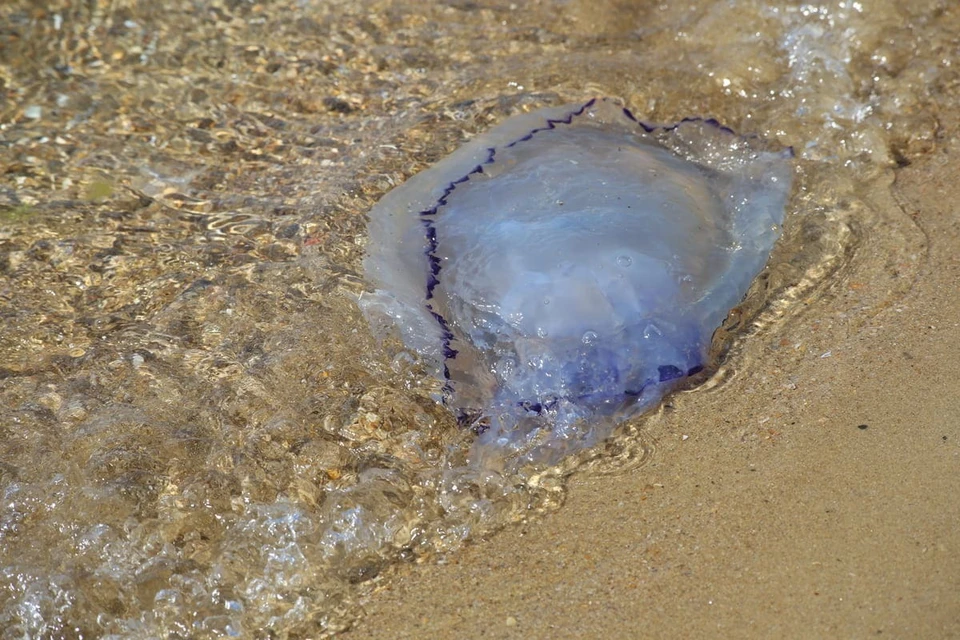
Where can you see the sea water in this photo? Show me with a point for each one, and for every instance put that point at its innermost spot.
(200, 436)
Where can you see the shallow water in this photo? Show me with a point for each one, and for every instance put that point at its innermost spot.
(198, 434)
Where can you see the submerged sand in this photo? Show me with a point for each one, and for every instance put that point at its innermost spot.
(200, 437)
(812, 497)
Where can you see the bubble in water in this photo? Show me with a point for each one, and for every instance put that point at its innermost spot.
(624, 261)
(589, 337)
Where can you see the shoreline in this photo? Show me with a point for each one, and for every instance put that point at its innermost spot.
(811, 499)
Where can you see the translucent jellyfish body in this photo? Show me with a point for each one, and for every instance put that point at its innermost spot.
(566, 269)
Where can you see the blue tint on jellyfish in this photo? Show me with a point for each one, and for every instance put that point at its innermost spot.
(571, 265)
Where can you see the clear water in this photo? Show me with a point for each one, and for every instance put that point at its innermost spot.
(198, 435)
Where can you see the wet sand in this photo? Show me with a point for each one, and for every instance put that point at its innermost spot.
(200, 437)
(813, 497)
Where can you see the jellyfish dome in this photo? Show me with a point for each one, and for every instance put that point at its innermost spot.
(565, 270)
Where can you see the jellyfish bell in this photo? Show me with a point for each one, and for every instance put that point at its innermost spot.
(568, 268)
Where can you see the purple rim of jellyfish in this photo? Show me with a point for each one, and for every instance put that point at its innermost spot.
(428, 218)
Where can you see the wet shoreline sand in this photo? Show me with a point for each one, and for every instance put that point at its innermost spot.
(200, 436)
(814, 498)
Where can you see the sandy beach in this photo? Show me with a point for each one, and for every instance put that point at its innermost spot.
(202, 436)
(811, 497)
